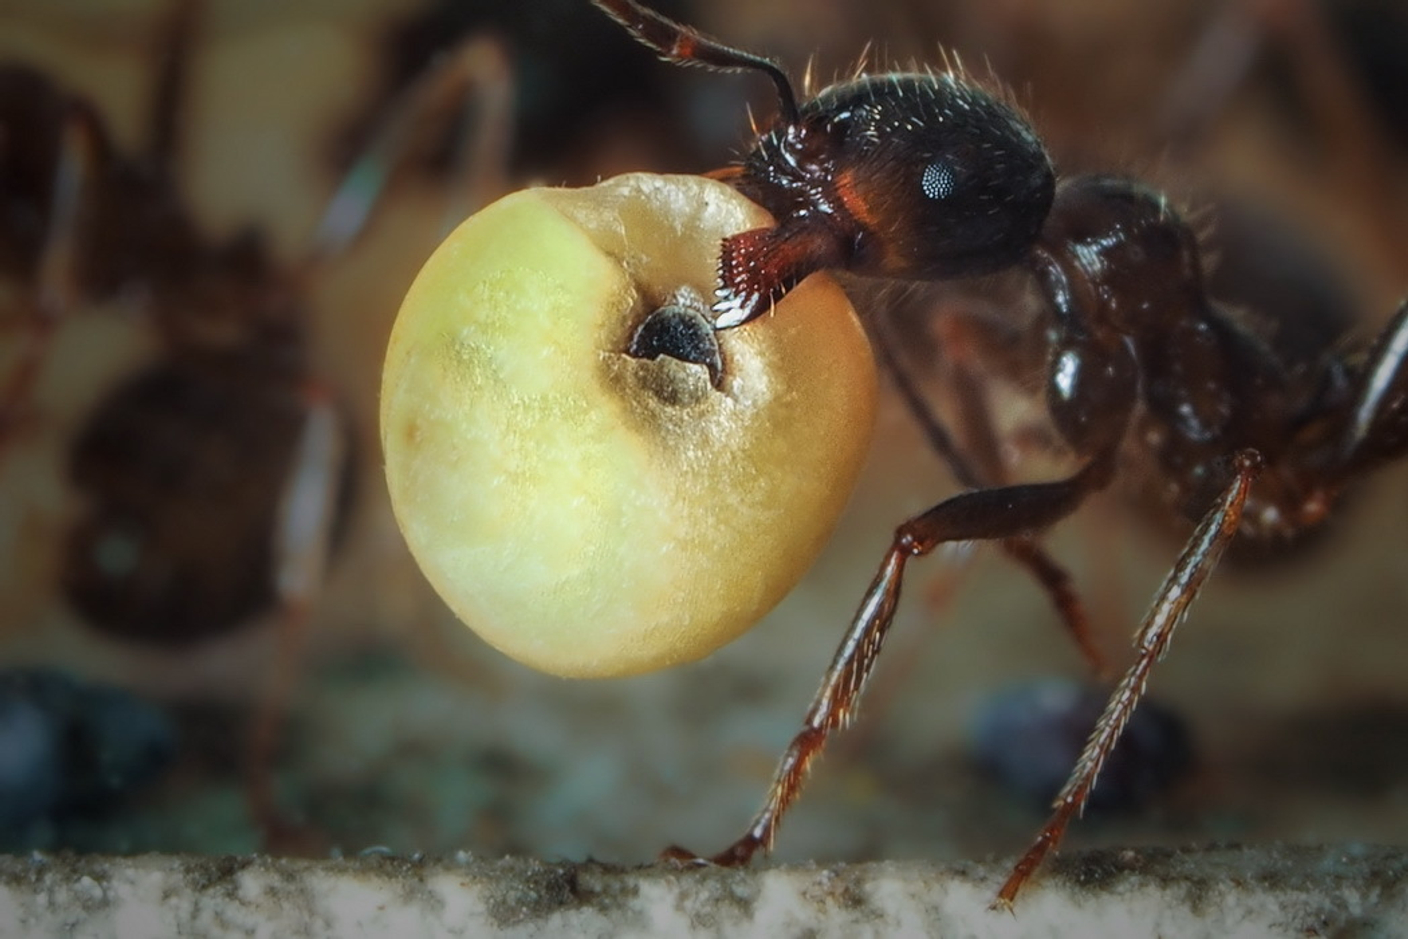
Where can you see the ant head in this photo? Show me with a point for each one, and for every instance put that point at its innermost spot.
(922, 176)
(916, 176)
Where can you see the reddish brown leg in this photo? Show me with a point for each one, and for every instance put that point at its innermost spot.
(1199, 558)
(984, 514)
(1061, 591)
(1226, 50)
(982, 439)
(939, 593)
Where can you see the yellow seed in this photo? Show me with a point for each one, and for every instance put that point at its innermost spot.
(587, 512)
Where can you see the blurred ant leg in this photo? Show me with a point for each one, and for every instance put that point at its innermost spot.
(1060, 589)
(1212, 536)
(1378, 426)
(978, 515)
(940, 439)
(304, 524)
(168, 89)
(476, 79)
(1024, 549)
(56, 282)
(1361, 157)
(1225, 52)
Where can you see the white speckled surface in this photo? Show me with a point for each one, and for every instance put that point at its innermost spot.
(1229, 893)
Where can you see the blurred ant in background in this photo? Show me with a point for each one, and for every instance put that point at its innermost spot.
(212, 483)
(1141, 374)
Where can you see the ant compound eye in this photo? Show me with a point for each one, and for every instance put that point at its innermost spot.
(592, 478)
(938, 180)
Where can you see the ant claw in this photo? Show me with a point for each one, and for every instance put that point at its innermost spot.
(676, 856)
(737, 854)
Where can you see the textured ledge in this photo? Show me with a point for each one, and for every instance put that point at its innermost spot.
(1225, 892)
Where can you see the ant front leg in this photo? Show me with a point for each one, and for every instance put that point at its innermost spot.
(981, 515)
(1171, 603)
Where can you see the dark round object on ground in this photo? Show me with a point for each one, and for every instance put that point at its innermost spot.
(1028, 736)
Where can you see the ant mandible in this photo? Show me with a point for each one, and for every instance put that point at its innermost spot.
(927, 176)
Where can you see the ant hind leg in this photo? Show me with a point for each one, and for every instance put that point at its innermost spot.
(1178, 591)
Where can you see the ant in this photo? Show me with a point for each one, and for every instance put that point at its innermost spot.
(211, 484)
(928, 176)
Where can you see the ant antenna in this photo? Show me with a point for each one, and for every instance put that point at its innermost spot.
(675, 42)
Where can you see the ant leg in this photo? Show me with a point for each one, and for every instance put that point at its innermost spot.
(305, 521)
(1024, 549)
(168, 88)
(675, 42)
(56, 282)
(475, 78)
(1360, 156)
(940, 439)
(1178, 591)
(1378, 427)
(1225, 52)
(984, 514)
(1060, 589)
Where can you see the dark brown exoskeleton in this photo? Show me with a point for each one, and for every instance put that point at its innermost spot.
(930, 177)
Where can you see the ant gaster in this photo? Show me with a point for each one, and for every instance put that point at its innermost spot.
(929, 177)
